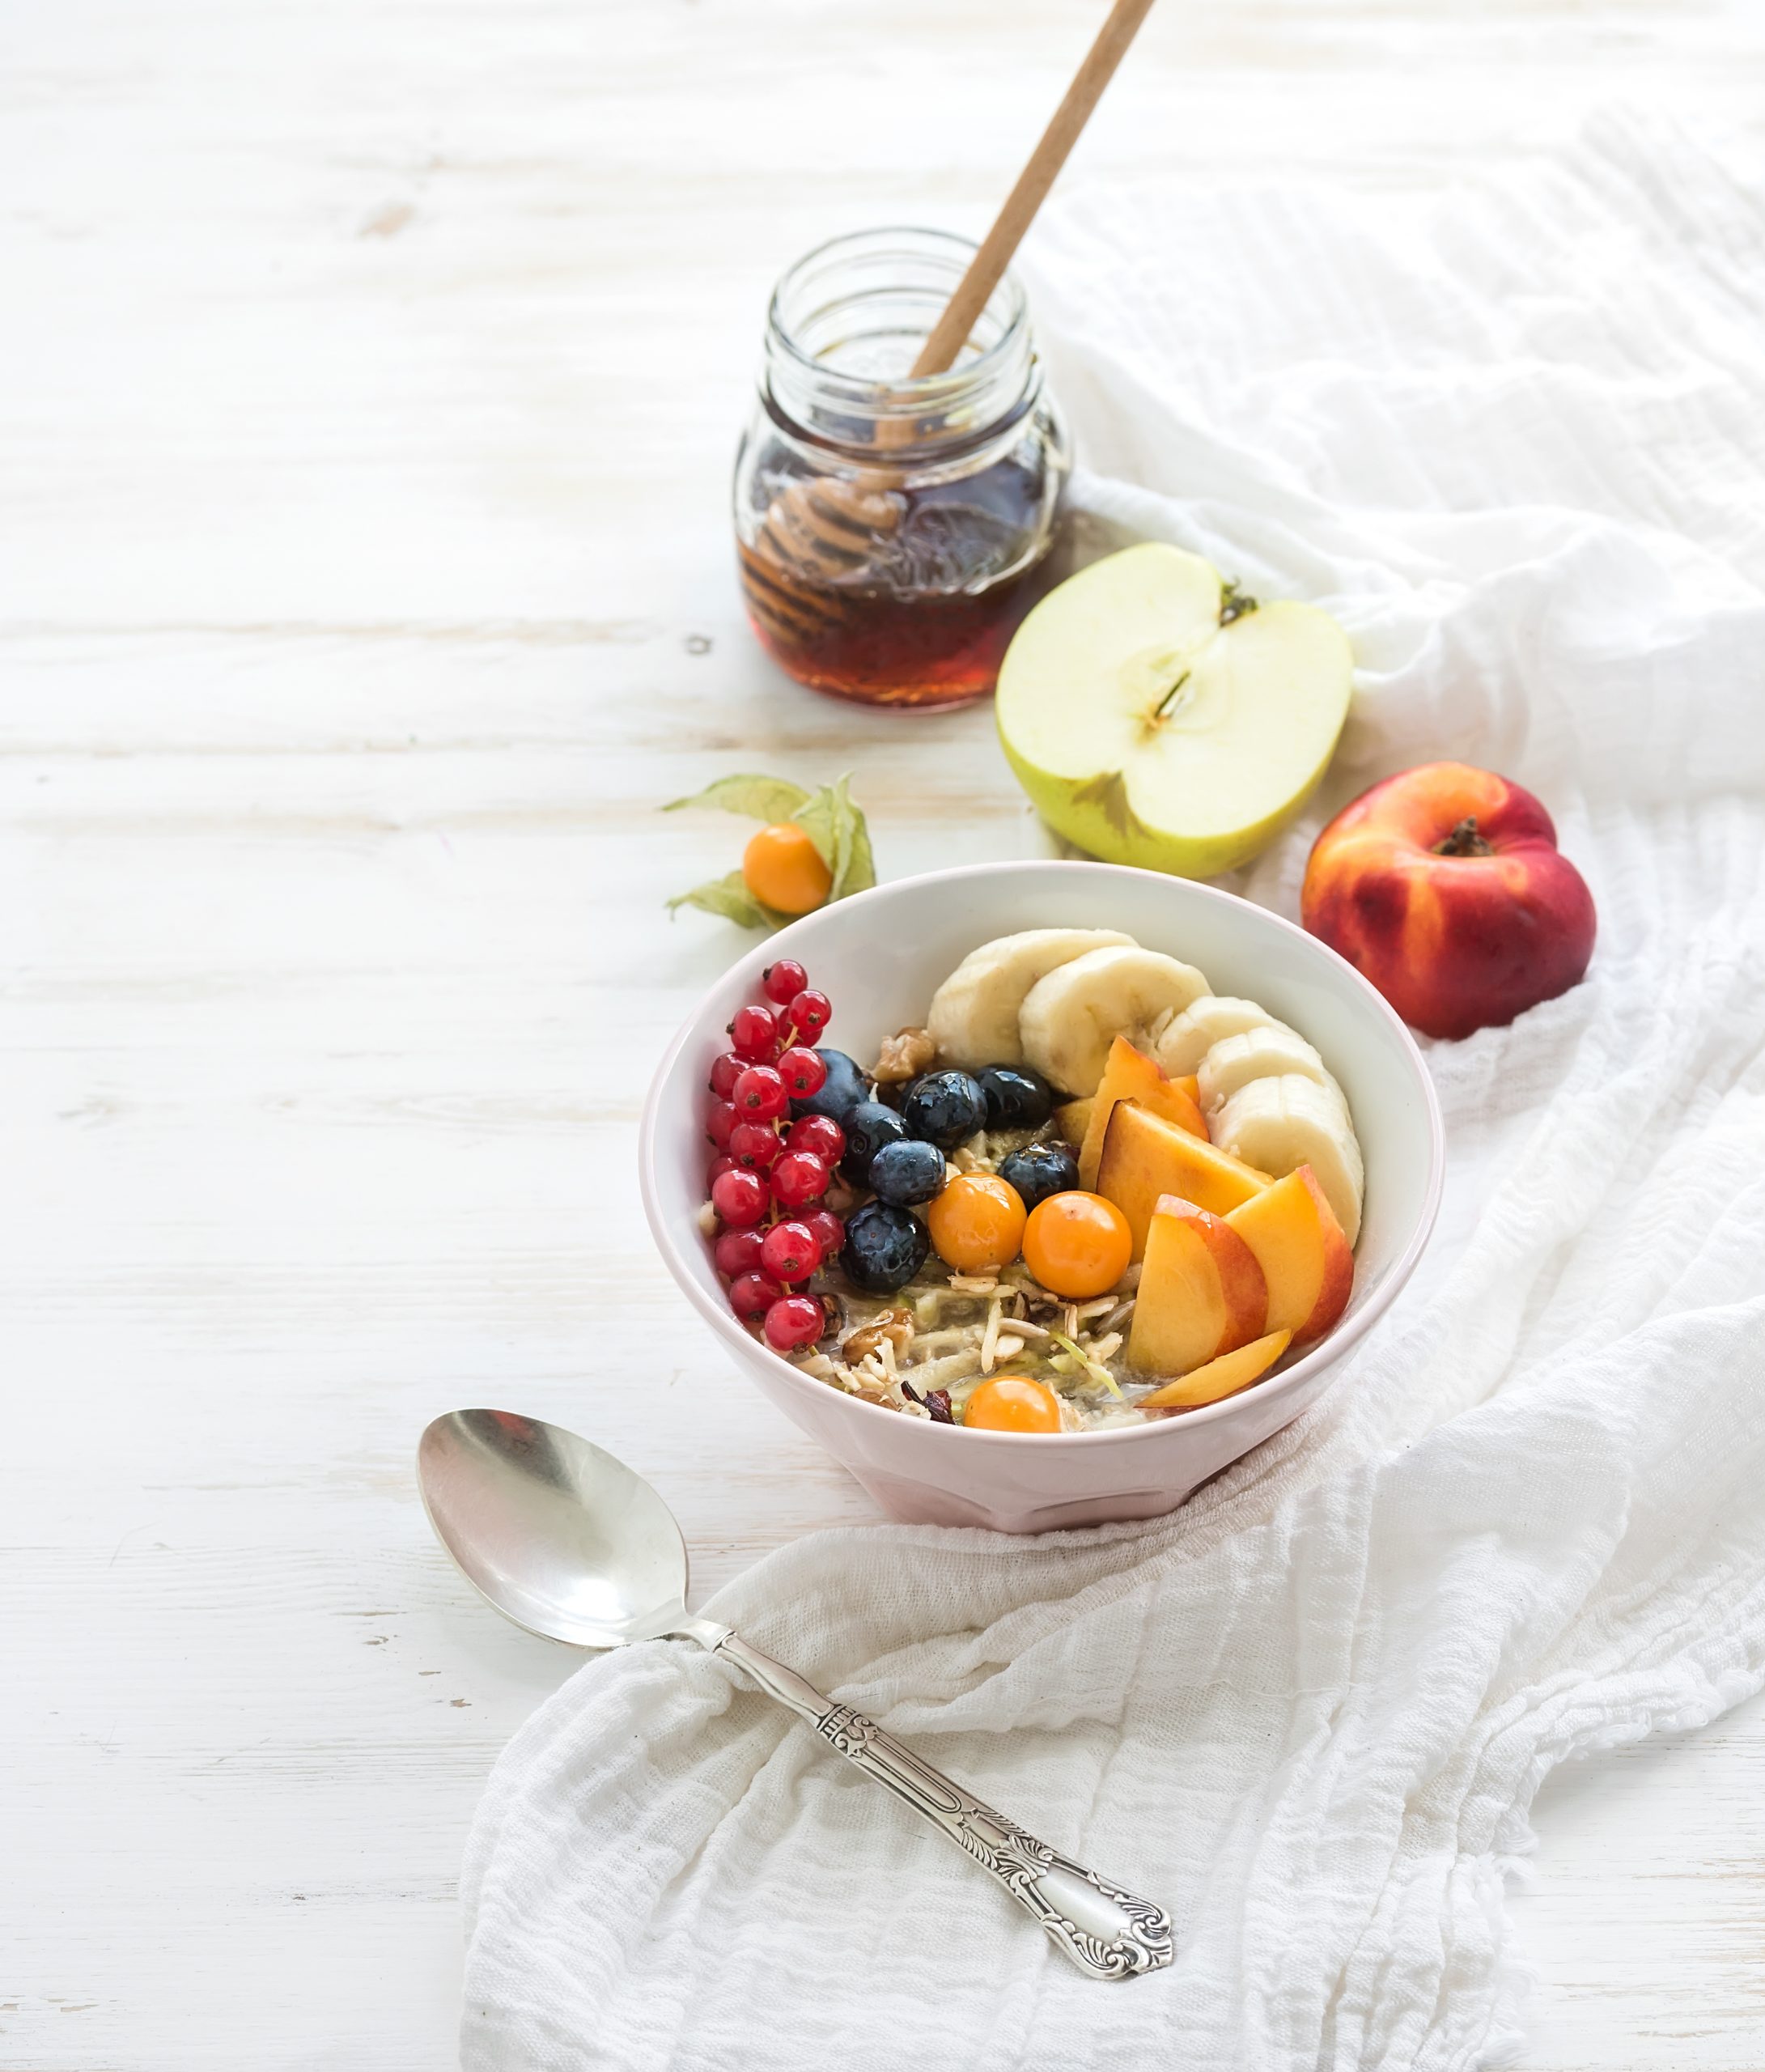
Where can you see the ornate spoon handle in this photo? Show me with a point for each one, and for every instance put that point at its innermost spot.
(1105, 1931)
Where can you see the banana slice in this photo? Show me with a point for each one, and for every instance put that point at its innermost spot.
(1186, 1040)
(1264, 1053)
(1070, 1018)
(1287, 1122)
(972, 1018)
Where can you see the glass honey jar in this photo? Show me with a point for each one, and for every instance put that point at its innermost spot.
(892, 529)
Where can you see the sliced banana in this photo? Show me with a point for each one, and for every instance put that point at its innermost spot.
(1181, 1044)
(972, 1018)
(1264, 1053)
(1288, 1121)
(1070, 1018)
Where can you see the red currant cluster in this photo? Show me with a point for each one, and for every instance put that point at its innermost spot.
(770, 1173)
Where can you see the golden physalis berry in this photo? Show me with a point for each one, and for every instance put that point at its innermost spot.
(977, 1224)
(784, 869)
(1012, 1402)
(1077, 1245)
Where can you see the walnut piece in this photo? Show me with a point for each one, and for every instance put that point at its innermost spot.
(904, 1055)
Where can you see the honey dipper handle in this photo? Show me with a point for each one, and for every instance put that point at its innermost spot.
(987, 267)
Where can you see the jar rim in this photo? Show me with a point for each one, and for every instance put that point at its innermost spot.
(905, 394)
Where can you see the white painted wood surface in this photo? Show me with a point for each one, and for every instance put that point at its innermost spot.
(367, 391)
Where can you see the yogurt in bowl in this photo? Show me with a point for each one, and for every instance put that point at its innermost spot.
(1277, 1037)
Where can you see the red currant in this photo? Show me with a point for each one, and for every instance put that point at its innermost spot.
(724, 1072)
(829, 1232)
(784, 981)
(719, 1166)
(754, 1035)
(789, 1252)
(759, 1094)
(741, 1198)
(793, 1321)
(752, 1295)
(756, 1145)
(737, 1252)
(803, 1073)
(809, 1014)
(820, 1134)
(722, 1119)
(799, 1179)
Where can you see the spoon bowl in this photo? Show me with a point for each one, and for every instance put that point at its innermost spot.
(561, 1538)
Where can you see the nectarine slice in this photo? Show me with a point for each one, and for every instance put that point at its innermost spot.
(1225, 1376)
(1201, 1291)
(1130, 1075)
(1073, 1119)
(1305, 1257)
(1144, 1157)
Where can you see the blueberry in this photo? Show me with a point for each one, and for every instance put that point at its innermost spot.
(884, 1248)
(906, 1171)
(843, 1088)
(1039, 1170)
(945, 1108)
(868, 1128)
(1016, 1098)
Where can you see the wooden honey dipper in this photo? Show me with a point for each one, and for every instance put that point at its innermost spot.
(816, 530)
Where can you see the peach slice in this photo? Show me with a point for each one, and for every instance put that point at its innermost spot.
(1144, 1156)
(1073, 1119)
(1305, 1257)
(1225, 1376)
(1201, 1291)
(1130, 1075)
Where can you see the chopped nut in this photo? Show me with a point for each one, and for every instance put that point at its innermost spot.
(894, 1326)
(1008, 1348)
(903, 1056)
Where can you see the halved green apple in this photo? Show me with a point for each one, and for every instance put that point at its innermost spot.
(1157, 716)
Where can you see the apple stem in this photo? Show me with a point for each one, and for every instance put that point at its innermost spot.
(1163, 706)
(1235, 603)
(1465, 841)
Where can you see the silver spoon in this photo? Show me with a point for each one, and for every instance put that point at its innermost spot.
(571, 1544)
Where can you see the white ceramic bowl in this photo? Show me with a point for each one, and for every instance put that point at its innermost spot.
(880, 956)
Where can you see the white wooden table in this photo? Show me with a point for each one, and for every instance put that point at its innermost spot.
(369, 380)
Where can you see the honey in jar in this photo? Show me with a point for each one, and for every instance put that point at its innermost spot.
(891, 529)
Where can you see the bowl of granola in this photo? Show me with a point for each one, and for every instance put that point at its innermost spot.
(1039, 1192)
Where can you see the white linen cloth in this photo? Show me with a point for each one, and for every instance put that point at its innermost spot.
(1516, 440)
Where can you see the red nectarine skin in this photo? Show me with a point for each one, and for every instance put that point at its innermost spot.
(1444, 886)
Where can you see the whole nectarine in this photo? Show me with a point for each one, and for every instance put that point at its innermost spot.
(1445, 887)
